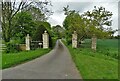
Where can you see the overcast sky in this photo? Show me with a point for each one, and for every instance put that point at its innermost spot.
(82, 6)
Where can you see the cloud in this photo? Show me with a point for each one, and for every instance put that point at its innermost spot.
(82, 6)
(56, 19)
(84, 0)
(58, 16)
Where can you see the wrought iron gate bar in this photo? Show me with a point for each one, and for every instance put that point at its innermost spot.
(36, 41)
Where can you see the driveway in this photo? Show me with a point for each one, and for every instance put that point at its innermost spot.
(57, 64)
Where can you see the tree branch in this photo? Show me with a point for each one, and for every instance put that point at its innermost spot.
(17, 10)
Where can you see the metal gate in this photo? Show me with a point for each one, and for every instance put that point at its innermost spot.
(36, 44)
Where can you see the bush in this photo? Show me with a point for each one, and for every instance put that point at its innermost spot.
(12, 47)
(54, 39)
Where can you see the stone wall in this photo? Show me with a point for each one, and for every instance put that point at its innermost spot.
(22, 47)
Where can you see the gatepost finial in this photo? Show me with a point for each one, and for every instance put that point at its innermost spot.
(45, 31)
(74, 32)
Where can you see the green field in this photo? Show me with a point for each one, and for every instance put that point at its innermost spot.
(13, 59)
(102, 64)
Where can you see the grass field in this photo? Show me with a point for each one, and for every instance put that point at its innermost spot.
(102, 64)
(12, 59)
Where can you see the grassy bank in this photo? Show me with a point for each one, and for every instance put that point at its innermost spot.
(12, 59)
(102, 64)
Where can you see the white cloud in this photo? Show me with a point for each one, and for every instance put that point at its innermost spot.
(56, 19)
(84, 0)
(82, 6)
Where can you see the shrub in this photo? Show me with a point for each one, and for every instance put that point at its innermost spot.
(54, 39)
(12, 47)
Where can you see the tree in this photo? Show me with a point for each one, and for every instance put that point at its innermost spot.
(117, 37)
(73, 22)
(58, 31)
(87, 24)
(23, 25)
(38, 33)
(37, 14)
(99, 17)
(111, 32)
(39, 30)
(40, 12)
(41, 27)
(9, 10)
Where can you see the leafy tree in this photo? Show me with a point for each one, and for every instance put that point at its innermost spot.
(58, 31)
(37, 14)
(96, 20)
(9, 10)
(73, 22)
(111, 32)
(99, 17)
(117, 37)
(38, 33)
(45, 24)
(23, 25)
(41, 27)
(39, 30)
(87, 24)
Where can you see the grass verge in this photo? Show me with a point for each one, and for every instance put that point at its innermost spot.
(12, 59)
(96, 65)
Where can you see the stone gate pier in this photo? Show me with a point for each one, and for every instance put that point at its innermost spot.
(45, 40)
(74, 40)
(94, 40)
(27, 42)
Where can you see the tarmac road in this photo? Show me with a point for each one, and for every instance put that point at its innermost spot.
(57, 64)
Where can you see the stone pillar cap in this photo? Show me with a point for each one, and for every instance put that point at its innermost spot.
(94, 35)
(27, 34)
(74, 31)
(45, 31)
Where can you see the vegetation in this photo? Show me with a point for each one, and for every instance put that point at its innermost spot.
(73, 22)
(58, 31)
(31, 18)
(99, 16)
(23, 25)
(18, 21)
(26, 18)
(87, 24)
(12, 59)
(41, 28)
(108, 47)
(102, 64)
(9, 11)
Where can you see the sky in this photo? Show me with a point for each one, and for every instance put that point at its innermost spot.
(82, 6)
